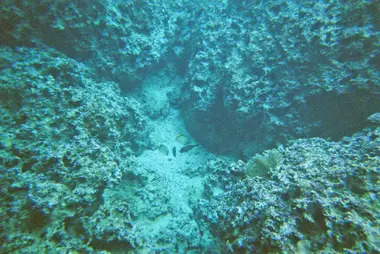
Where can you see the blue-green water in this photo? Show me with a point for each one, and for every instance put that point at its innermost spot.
(189, 126)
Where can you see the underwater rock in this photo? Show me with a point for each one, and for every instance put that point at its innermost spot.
(375, 118)
(252, 75)
(232, 85)
(116, 39)
(304, 195)
(58, 152)
(5, 140)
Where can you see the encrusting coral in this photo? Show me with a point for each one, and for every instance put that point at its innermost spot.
(322, 196)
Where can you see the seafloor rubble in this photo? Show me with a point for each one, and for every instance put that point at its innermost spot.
(189, 126)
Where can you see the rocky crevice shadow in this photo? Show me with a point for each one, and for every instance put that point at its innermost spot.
(259, 75)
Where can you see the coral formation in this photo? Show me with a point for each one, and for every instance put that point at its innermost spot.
(272, 71)
(66, 136)
(260, 165)
(269, 108)
(322, 197)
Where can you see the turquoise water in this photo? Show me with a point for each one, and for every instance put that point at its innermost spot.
(189, 126)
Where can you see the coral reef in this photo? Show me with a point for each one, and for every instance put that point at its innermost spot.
(65, 137)
(323, 196)
(268, 66)
(265, 72)
(121, 40)
(136, 126)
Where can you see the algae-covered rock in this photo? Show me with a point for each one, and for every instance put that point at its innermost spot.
(65, 136)
(120, 40)
(278, 70)
(322, 196)
(87, 88)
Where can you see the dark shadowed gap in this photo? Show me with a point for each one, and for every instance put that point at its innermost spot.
(339, 115)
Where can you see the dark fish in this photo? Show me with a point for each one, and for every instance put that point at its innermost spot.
(174, 150)
(187, 148)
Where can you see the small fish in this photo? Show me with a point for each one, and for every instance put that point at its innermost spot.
(182, 139)
(187, 148)
(375, 118)
(174, 151)
(164, 150)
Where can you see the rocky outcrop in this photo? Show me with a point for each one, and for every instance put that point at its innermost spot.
(64, 138)
(257, 72)
(257, 75)
(121, 40)
(267, 72)
(321, 196)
